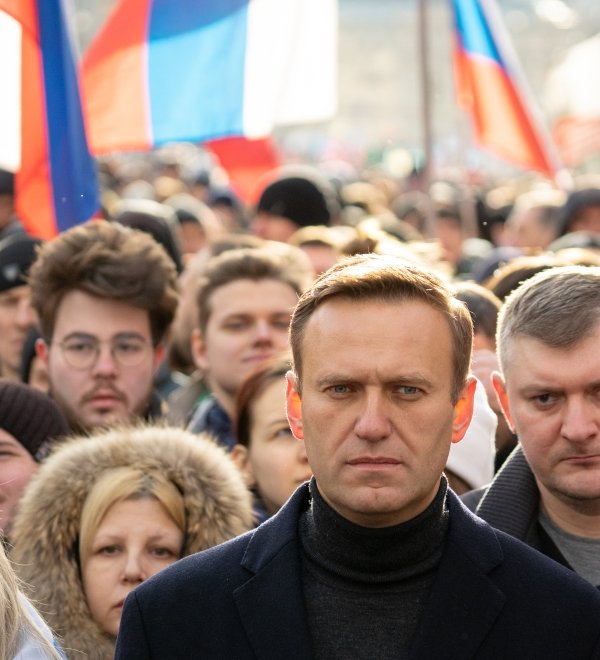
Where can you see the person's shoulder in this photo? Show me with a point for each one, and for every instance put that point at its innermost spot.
(473, 497)
(210, 566)
(231, 562)
(519, 569)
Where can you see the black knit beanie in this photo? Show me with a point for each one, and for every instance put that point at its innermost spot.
(297, 199)
(30, 416)
(17, 254)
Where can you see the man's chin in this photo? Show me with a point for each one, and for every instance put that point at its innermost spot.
(105, 417)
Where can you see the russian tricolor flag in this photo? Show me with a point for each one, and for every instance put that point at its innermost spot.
(42, 136)
(491, 87)
(192, 70)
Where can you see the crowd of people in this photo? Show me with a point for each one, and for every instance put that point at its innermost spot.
(349, 420)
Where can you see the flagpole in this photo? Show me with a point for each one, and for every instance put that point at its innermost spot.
(425, 79)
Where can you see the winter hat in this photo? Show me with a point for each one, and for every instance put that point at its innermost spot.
(298, 199)
(17, 254)
(472, 459)
(31, 417)
(7, 183)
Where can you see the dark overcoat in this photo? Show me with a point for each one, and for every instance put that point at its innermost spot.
(493, 598)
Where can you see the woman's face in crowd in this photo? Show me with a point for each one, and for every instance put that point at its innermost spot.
(277, 460)
(135, 540)
(16, 469)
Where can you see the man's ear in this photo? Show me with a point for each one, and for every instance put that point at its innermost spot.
(500, 388)
(42, 350)
(463, 410)
(293, 405)
(241, 457)
(198, 349)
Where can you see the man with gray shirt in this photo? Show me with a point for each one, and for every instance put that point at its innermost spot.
(548, 491)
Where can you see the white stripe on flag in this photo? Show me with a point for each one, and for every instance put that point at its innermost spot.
(10, 84)
(291, 63)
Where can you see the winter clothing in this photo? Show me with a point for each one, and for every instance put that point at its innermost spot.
(298, 199)
(31, 417)
(511, 503)
(17, 254)
(45, 534)
(209, 417)
(29, 647)
(492, 597)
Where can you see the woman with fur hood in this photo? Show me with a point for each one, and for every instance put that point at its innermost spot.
(105, 513)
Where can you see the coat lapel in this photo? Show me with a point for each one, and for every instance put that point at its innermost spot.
(464, 603)
(271, 603)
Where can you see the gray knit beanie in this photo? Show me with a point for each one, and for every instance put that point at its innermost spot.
(31, 417)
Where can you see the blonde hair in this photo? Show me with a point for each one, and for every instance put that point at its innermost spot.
(14, 617)
(120, 484)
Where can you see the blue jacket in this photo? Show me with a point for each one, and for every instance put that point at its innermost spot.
(494, 598)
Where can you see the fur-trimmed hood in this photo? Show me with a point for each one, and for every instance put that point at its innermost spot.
(45, 534)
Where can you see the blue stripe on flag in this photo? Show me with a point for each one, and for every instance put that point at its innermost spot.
(73, 172)
(205, 99)
(474, 31)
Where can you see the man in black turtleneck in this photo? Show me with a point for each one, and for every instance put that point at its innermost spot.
(376, 557)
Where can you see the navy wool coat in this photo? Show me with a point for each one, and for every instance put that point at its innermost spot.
(493, 598)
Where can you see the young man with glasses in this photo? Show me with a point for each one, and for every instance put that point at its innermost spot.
(105, 295)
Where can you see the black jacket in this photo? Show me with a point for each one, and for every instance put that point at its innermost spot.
(493, 598)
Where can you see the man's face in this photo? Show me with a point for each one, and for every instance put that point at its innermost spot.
(16, 469)
(588, 219)
(375, 411)
(551, 399)
(248, 324)
(107, 392)
(16, 318)
(7, 208)
(526, 229)
(272, 227)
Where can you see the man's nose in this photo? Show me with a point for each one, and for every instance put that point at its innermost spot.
(105, 363)
(26, 316)
(264, 331)
(580, 419)
(373, 422)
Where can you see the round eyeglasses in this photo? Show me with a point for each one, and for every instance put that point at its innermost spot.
(84, 353)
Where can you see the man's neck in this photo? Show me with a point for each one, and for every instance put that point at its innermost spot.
(576, 517)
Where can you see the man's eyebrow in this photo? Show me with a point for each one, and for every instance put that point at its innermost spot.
(416, 379)
(131, 334)
(119, 335)
(76, 334)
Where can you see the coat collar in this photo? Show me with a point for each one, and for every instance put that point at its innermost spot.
(275, 590)
(511, 501)
(464, 603)
(461, 609)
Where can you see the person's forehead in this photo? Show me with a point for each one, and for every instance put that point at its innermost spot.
(81, 312)
(7, 440)
(246, 296)
(406, 319)
(523, 355)
(22, 292)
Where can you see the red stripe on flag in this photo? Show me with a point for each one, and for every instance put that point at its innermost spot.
(246, 162)
(33, 189)
(116, 122)
(502, 124)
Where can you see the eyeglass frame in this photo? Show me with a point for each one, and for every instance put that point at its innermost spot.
(98, 343)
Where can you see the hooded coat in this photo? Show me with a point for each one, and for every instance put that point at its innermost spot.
(46, 532)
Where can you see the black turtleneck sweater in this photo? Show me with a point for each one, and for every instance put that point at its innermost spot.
(365, 588)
